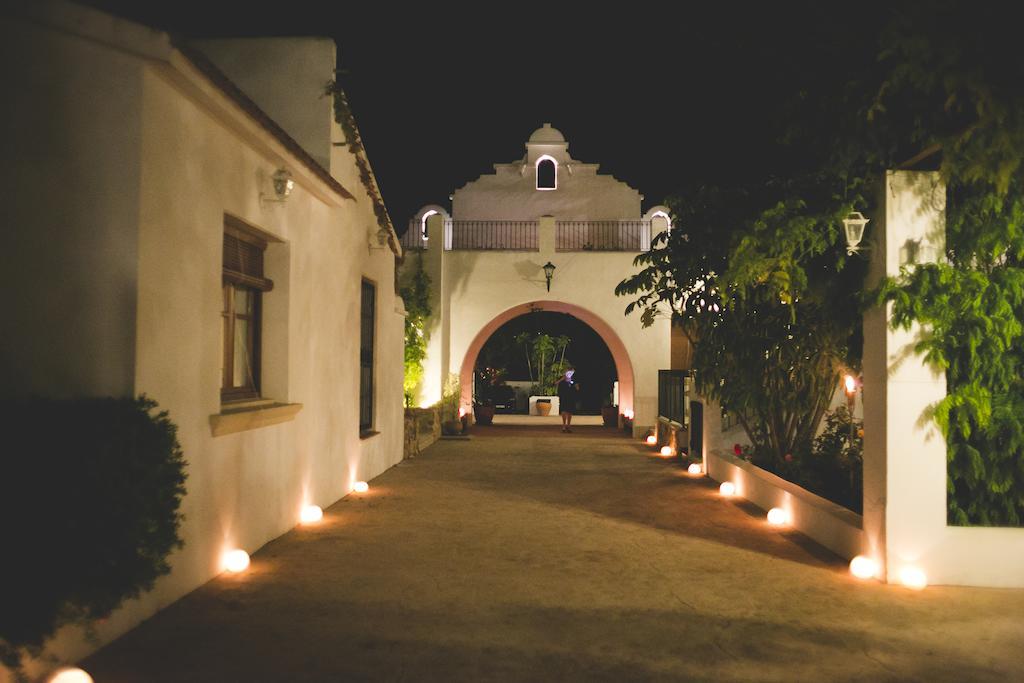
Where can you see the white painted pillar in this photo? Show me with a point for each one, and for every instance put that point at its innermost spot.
(435, 363)
(904, 453)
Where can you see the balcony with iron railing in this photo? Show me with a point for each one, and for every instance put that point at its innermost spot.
(620, 236)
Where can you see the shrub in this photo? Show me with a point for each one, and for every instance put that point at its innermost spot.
(832, 468)
(90, 507)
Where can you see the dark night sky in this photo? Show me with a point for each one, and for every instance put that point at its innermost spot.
(659, 100)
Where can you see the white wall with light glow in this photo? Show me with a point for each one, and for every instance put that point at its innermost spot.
(147, 156)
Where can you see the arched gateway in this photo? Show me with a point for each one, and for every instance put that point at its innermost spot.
(486, 262)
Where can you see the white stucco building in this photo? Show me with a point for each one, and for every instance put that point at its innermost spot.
(139, 192)
(486, 261)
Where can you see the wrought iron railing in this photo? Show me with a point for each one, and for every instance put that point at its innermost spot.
(413, 237)
(489, 235)
(602, 235)
(523, 236)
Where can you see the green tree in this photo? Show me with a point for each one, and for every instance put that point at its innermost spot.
(415, 294)
(545, 359)
(960, 67)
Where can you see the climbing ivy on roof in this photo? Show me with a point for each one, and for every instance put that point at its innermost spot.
(344, 117)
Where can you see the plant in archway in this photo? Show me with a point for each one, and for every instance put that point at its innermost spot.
(89, 502)
(545, 359)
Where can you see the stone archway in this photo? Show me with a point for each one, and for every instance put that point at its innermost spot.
(623, 365)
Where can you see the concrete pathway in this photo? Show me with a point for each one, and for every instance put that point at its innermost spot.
(543, 556)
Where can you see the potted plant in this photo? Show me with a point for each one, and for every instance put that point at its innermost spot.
(609, 414)
(483, 411)
(452, 423)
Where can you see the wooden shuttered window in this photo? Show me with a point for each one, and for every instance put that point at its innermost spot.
(367, 319)
(243, 285)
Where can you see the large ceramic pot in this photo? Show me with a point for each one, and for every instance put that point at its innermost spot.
(451, 427)
(484, 414)
(544, 406)
(610, 416)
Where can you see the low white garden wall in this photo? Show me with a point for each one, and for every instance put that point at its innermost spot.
(833, 526)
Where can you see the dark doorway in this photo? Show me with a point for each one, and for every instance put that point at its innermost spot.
(501, 354)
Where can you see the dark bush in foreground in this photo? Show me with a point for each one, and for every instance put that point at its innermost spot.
(90, 491)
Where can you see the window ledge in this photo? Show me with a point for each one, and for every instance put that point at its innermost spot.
(369, 434)
(243, 416)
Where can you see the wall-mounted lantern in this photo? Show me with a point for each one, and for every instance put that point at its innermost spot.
(283, 185)
(549, 271)
(854, 227)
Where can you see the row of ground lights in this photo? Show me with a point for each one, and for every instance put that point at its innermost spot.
(234, 561)
(861, 566)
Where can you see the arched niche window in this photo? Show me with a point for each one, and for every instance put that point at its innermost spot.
(547, 173)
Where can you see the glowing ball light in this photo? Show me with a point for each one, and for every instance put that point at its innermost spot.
(778, 517)
(913, 577)
(236, 561)
(360, 487)
(651, 440)
(311, 514)
(863, 567)
(69, 675)
(727, 488)
(666, 451)
(850, 384)
(694, 469)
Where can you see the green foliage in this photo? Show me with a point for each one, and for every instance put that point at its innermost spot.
(833, 467)
(545, 358)
(971, 308)
(416, 295)
(961, 68)
(344, 117)
(451, 397)
(758, 280)
(90, 507)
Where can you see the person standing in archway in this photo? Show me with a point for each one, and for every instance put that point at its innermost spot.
(567, 389)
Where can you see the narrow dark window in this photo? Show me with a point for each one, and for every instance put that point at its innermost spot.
(546, 174)
(242, 291)
(367, 318)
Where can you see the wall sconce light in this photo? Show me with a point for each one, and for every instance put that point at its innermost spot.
(283, 186)
(382, 236)
(914, 252)
(854, 227)
(549, 271)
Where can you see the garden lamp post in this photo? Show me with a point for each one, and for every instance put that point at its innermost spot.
(854, 228)
(549, 271)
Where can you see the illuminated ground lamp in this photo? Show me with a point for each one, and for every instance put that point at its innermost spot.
(311, 514)
(236, 560)
(69, 674)
(666, 451)
(727, 488)
(651, 439)
(913, 577)
(628, 414)
(850, 384)
(695, 470)
(462, 412)
(360, 487)
(778, 517)
(863, 567)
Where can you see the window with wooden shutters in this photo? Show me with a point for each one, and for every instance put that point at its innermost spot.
(366, 329)
(243, 285)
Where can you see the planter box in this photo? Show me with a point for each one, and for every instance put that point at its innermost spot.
(533, 404)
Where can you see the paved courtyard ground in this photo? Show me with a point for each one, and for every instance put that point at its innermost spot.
(533, 555)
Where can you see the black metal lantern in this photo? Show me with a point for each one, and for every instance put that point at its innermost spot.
(549, 271)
